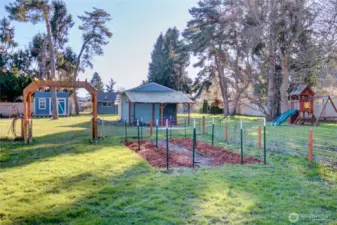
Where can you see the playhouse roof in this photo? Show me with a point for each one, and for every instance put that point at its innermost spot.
(300, 88)
(156, 93)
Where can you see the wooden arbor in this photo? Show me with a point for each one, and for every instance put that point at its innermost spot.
(36, 84)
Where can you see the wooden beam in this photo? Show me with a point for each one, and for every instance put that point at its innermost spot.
(161, 114)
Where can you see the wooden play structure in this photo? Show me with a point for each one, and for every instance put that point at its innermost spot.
(27, 123)
(302, 99)
(320, 118)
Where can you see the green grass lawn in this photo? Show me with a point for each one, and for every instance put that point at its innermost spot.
(64, 179)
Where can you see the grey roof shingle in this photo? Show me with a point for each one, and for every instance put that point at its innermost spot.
(158, 97)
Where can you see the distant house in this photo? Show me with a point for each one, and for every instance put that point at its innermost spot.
(106, 103)
(151, 102)
(43, 103)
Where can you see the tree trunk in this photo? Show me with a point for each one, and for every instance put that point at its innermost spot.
(272, 95)
(52, 62)
(43, 58)
(285, 84)
(78, 62)
(77, 108)
(223, 88)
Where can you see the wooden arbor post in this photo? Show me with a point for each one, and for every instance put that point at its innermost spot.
(36, 84)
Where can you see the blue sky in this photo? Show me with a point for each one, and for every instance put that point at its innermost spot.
(136, 25)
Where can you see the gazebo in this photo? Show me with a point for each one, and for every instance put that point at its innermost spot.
(151, 102)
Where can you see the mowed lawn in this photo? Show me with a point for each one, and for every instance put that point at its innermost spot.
(64, 179)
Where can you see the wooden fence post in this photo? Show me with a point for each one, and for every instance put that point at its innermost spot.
(151, 126)
(259, 137)
(310, 140)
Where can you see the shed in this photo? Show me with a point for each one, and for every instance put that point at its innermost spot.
(43, 103)
(106, 103)
(151, 102)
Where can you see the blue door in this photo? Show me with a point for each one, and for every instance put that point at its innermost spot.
(61, 106)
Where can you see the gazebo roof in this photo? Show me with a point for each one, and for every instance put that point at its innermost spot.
(158, 97)
(156, 93)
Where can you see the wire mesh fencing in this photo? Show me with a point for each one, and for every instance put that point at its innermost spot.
(253, 140)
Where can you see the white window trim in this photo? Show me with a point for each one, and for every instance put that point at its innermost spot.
(107, 106)
(45, 103)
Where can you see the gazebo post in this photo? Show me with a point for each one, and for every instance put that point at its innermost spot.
(161, 114)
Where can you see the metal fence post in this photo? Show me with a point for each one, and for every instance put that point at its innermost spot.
(193, 144)
(170, 126)
(213, 132)
(241, 129)
(185, 127)
(141, 129)
(226, 131)
(126, 132)
(138, 134)
(167, 146)
(203, 126)
(157, 133)
(264, 142)
(310, 141)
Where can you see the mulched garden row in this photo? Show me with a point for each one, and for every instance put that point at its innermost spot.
(219, 154)
(157, 156)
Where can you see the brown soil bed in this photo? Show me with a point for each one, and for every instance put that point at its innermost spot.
(180, 154)
(157, 156)
(218, 154)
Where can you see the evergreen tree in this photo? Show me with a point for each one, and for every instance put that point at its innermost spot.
(96, 81)
(35, 11)
(110, 86)
(95, 35)
(169, 60)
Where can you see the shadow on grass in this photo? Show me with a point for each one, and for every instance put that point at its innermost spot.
(141, 195)
(15, 154)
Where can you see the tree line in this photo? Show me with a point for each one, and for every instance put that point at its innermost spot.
(254, 50)
(48, 56)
